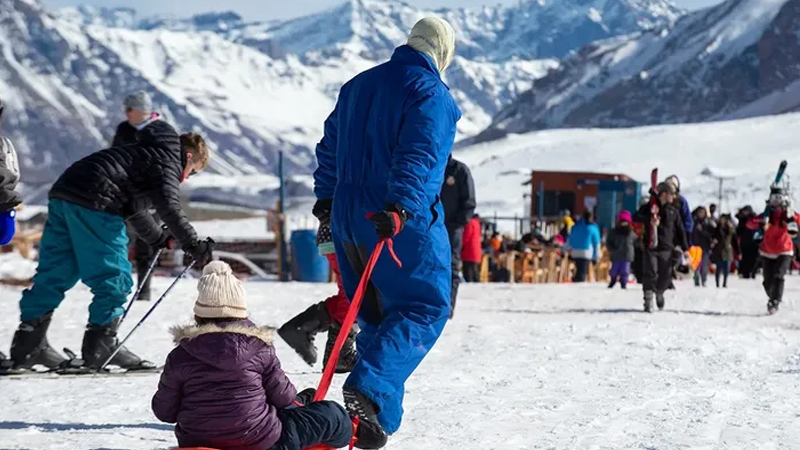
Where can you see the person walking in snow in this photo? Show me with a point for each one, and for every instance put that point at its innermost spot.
(658, 262)
(724, 246)
(584, 245)
(747, 232)
(780, 224)
(702, 235)
(139, 115)
(621, 243)
(9, 177)
(458, 200)
(683, 206)
(223, 385)
(326, 316)
(472, 254)
(391, 167)
(85, 239)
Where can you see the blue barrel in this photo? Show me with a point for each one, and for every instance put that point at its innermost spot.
(307, 264)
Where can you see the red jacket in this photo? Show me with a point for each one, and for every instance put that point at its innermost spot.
(471, 250)
(777, 240)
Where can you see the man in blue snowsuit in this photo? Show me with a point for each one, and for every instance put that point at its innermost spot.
(384, 152)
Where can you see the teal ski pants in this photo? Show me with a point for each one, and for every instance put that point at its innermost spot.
(80, 244)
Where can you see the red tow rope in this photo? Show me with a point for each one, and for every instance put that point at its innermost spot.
(347, 325)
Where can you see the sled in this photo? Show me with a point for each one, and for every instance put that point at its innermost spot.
(695, 257)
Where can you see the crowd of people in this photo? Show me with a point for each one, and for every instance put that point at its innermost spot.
(396, 184)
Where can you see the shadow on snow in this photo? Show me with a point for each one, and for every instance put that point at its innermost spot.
(621, 311)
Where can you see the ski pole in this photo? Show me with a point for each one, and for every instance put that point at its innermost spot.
(139, 289)
(141, 321)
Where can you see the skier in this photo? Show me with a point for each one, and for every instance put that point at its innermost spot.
(779, 222)
(223, 385)
(724, 247)
(621, 243)
(658, 262)
(139, 114)
(702, 235)
(584, 243)
(324, 316)
(390, 165)
(458, 200)
(85, 239)
(472, 254)
(9, 177)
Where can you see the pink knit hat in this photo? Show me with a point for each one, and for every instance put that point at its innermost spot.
(624, 216)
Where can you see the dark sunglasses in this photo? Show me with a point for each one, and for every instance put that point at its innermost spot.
(192, 173)
(127, 110)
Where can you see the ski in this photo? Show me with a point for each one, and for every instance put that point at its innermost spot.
(779, 174)
(653, 242)
(79, 372)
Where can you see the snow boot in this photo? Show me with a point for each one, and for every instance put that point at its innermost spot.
(773, 306)
(299, 332)
(30, 347)
(660, 300)
(99, 341)
(648, 301)
(348, 355)
(369, 433)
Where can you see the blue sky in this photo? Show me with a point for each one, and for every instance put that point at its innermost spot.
(271, 9)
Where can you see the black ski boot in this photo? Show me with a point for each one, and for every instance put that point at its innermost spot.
(773, 306)
(99, 341)
(348, 355)
(660, 300)
(369, 433)
(648, 301)
(299, 331)
(30, 347)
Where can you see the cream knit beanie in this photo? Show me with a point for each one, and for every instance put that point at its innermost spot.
(436, 38)
(220, 294)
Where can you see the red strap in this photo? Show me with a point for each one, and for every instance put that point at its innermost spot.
(350, 318)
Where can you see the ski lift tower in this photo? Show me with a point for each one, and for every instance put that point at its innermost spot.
(720, 175)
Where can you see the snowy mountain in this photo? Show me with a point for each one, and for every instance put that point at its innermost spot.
(255, 89)
(739, 59)
(747, 150)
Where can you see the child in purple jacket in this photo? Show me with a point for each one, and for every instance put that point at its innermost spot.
(223, 385)
(621, 244)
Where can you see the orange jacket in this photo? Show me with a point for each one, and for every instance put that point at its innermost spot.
(777, 240)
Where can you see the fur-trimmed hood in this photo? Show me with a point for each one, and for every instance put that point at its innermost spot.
(224, 345)
(181, 332)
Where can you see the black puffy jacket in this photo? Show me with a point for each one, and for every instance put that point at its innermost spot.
(670, 231)
(129, 180)
(458, 194)
(126, 134)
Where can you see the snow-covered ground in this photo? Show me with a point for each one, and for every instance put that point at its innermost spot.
(751, 149)
(520, 367)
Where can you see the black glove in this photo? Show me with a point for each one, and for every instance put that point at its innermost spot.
(389, 222)
(167, 240)
(201, 251)
(322, 211)
(306, 397)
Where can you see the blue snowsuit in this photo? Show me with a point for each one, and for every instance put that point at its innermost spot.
(387, 142)
(686, 218)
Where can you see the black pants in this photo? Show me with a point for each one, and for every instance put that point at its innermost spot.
(456, 243)
(747, 266)
(657, 270)
(472, 271)
(723, 269)
(637, 266)
(144, 255)
(322, 422)
(774, 273)
(581, 270)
